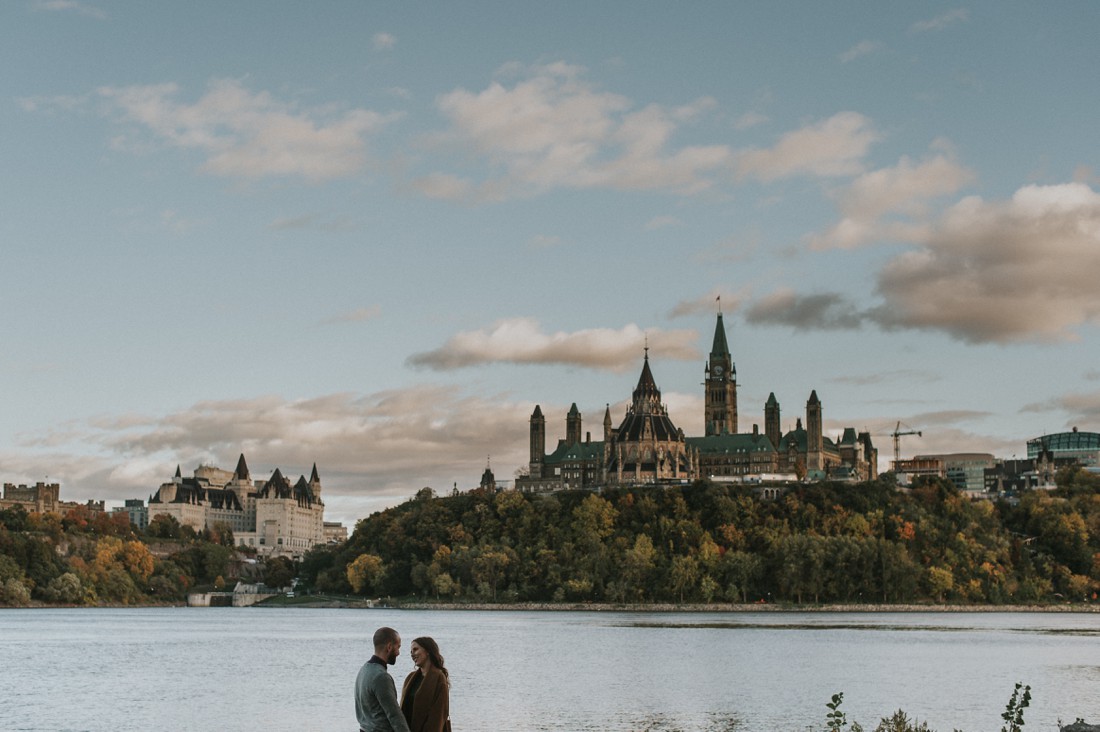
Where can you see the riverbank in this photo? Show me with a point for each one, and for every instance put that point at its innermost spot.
(336, 602)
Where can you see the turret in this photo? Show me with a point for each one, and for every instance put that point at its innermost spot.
(771, 420)
(573, 426)
(538, 442)
(814, 438)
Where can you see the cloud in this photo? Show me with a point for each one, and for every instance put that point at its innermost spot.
(67, 6)
(985, 272)
(1003, 271)
(900, 193)
(521, 341)
(552, 129)
(709, 303)
(749, 119)
(544, 241)
(947, 417)
(863, 48)
(246, 134)
(830, 148)
(1081, 407)
(823, 311)
(897, 376)
(660, 222)
(359, 315)
(371, 450)
(383, 41)
(958, 15)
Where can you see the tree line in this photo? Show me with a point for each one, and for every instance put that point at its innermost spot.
(708, 542)
(92, 558)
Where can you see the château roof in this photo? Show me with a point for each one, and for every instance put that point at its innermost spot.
(241, 472)
(314, 477)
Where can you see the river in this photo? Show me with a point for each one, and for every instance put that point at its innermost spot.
(247, 669)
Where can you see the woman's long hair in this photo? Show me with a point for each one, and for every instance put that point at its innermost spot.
(432, 649)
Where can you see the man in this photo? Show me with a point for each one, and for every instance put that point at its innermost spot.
(376, 704)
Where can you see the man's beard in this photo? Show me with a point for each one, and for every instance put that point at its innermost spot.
(391, 659)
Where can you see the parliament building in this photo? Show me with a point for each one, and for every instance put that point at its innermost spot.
(647, 448)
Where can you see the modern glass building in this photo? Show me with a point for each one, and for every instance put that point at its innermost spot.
(1082, 446)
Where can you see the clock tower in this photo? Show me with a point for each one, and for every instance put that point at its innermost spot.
(720, 412)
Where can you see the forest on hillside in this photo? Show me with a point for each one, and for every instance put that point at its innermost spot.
(93, 558)
(705, 542)
(708, 542)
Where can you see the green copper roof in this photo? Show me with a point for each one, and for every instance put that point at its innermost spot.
(741, 442)
(720, 348)
(574, 452)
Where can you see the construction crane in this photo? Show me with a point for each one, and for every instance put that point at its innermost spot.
(897, 434)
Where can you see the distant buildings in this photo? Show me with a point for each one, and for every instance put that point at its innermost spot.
(965, 469)
(647, 447)
(274, 517)
(42, 498)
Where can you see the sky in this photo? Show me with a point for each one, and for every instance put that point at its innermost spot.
(373, 236)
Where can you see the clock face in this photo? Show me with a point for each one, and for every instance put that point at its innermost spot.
(717, 370)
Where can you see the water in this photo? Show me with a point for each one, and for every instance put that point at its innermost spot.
(239, 669)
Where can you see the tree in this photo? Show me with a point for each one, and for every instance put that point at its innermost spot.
(163, 526)
(66, 588)
(489, 569)
(683, 575)
(940, 581)
(365, 573)
(278, 572)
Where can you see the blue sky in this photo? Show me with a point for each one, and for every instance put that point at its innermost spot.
(373, 236)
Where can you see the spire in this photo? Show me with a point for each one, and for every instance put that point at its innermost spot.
(178, 473)
(314, 477)
(647, 397)
(813, 397)
(772, 401)
(720, 347)
(242, 469)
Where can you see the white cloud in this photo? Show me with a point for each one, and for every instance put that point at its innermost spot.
(941, 21)
(749, 119)
(552, 129)
(383, 41)
(249, 135)
(522, 341)
(1002, 271)
(902, 190)
(832, 147)
(863, 48)
(69, 5)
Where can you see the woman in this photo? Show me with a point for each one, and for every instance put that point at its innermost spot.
(425, 695)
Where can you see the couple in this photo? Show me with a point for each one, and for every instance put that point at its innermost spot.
(425, 695)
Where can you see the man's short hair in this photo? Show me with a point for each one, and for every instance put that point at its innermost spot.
(384, 636)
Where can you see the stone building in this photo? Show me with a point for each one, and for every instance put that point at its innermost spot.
(274, 516)
(647, 447)
(37, 498)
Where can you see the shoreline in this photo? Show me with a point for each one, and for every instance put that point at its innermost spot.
(686, 607)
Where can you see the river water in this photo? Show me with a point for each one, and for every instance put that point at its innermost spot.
(247, 669)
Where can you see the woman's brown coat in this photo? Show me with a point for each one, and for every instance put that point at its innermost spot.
(431, 705)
